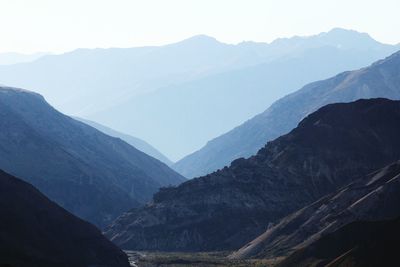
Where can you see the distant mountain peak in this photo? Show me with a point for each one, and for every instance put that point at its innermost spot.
(338, 30)
(345, 33)
(338, 37)
(200, 39)
(347, 38)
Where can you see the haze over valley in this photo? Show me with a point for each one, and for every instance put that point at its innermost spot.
(191, 91)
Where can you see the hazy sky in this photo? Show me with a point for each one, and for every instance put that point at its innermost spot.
(62, 25)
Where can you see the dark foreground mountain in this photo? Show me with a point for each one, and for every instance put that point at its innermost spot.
(359, 244)
(376, 197)
(224, 210)
(92, 175)
(133, 141)
(36, 232)
(381, 79)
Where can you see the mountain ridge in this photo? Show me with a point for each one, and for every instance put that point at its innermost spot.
(378, 80)
(105, 84)
(91, 174)
(330, 148)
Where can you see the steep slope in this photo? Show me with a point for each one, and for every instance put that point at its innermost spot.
(36, 232)
(381, 79)
(190, 91)
(359, 244)
(92, 175)
(376, 197)
(133, 141)
(225, 209)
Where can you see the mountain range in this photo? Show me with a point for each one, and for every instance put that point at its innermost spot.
(381, 79)
(36, 232)
(330, 148)
(313, 180)
(89, 173)
(190, 91)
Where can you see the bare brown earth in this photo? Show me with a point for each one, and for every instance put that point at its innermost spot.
(200, 259)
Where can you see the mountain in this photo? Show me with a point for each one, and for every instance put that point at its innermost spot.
(372, 198)
(228, 208)
(359, 244)
(86, 80)
(14, 58)
(381, 79)
(92, 175)
(196, 111)
(36, 232)
(190, 91)
(133, 141)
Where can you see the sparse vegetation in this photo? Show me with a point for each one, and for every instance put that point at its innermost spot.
(199, 259)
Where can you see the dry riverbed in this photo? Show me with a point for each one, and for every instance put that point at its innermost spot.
(201, 259)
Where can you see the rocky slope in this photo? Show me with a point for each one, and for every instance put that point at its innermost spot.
(230, 207)
(92, 175)
(359, 244)
(36, 232)
(381, 79)
(376, 197)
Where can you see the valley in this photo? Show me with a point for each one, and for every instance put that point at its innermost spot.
(199, 133)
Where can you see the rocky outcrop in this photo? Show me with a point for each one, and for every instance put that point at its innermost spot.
(224, 210)
(36, 232)
(381, 79)
(376, 197)
(358, 244)
(92, 175)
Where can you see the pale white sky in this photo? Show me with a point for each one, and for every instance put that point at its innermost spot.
(61, 25)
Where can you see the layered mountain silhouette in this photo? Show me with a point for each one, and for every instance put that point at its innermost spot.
(92, 175)
(359, 244)
(372, 198)
(190, 91)
(329, 149)
(36, 232)
(133, 141)
(381, 79)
